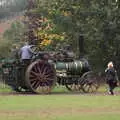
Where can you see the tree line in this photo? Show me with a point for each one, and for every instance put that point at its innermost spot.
(57, 22)
(97, 20)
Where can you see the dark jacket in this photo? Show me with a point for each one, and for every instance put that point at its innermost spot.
(111, 75)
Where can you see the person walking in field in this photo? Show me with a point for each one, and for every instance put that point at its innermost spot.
(111, 77)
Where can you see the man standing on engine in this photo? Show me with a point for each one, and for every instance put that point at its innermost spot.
(26, 53)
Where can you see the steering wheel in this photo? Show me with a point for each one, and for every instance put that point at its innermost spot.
(34, 49)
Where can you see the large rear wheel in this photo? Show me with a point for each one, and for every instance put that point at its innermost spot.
(40, 77)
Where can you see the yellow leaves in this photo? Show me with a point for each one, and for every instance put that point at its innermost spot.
(55, 37)
(45, 42)
(50, 12)
(47, 39)
(66, 13)
(43, 30)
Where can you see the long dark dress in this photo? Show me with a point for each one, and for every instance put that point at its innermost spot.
(111, 79)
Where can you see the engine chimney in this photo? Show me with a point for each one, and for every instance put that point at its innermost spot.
(81, 46)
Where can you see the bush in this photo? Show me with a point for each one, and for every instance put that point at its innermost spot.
(5, 47)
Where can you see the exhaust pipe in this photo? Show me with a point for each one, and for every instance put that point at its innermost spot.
(81, 46)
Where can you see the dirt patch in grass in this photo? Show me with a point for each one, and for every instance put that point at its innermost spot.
(60, 111)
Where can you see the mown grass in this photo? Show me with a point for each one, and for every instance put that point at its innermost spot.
(59, 107)
(63, 106)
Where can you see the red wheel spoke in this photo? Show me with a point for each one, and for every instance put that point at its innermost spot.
(39, 70)
(44, 70)
(49, 75)
(42, 67)
(32, 76)
(35, 68)
(49, 79)
(34, 73)
(35, 79)
(37, 85)
(33, 83)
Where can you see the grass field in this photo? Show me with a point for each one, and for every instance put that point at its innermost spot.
(60, 107)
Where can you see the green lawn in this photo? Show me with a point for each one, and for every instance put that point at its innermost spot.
(59, 107)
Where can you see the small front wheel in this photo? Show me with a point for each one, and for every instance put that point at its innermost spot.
(89, 82)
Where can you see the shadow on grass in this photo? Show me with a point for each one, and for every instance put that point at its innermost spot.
(58, 90)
